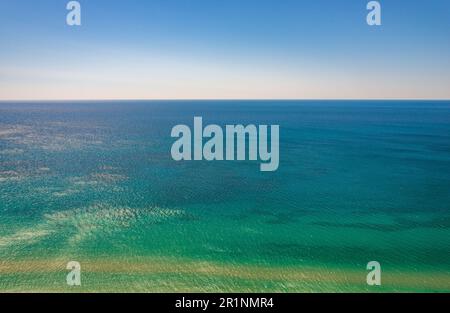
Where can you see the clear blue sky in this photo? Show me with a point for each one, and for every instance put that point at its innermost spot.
(224, 49)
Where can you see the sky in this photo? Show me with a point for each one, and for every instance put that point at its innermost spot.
(217, 49)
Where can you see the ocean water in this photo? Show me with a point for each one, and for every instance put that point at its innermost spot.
(94, 182)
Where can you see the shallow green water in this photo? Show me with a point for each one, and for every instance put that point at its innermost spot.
(95, 182)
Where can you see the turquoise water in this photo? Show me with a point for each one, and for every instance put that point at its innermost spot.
(94, 182)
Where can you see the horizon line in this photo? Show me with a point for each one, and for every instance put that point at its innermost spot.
(226, 99)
